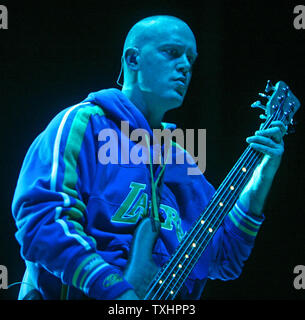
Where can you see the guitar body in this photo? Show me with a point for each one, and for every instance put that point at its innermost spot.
(141, 268)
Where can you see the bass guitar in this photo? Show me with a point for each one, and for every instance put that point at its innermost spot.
(152, 283)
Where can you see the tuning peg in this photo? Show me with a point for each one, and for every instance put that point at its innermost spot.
(258, 104)
(263, 95)
(269, 87)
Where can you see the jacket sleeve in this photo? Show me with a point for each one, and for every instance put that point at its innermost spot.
(49, 204)
(233, 243)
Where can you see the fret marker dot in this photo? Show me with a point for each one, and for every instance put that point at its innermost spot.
(180, 266)
(186, 256)
(172, 292)
(160, 281)
(210, 230)
(243, 169)
(193, 244)
(220, 204)
(232, 188)
(174, 275)
(202, 221)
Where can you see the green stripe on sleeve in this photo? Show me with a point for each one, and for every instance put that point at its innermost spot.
(80, 268)
(73, 146)
(242, 228)
(245, 220)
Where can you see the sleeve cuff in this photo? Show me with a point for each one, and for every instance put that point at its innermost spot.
(243, 223)
(108, 285)
(98, 279)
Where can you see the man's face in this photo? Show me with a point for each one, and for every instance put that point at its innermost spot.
(165, 64)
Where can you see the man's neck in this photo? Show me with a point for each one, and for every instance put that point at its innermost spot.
(151, 114)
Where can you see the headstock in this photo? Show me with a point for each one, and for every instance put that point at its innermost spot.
(281, 104)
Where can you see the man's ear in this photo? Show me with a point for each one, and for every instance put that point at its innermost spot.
(131, 57)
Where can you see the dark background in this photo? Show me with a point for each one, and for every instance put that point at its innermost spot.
(54, 53)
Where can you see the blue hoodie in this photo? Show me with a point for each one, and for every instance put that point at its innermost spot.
(76, 216)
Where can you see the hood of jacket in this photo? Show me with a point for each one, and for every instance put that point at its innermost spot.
(119, 108)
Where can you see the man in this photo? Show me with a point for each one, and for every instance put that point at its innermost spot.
(76, 216)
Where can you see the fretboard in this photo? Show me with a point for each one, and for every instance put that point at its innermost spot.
(171, 277)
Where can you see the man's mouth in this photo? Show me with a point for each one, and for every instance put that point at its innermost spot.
(180, 87)
(181, 80)
(180, 83)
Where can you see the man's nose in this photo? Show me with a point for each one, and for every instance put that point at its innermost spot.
(184, 64)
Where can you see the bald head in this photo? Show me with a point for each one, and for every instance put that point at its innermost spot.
(152, 30)
(149, 28)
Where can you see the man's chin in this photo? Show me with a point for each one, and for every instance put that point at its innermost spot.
(170, 100)
(175, 100)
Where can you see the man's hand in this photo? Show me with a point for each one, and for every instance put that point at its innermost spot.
(270, 143)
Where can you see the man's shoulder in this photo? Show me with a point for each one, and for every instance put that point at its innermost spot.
(77, 112)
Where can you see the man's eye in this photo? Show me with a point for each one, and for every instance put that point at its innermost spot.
(172, 52)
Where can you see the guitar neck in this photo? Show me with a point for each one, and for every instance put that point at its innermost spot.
(281, 105)
(171, 277)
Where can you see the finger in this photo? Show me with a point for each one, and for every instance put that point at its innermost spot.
(266, 141)
(267, 150)
(281, 125)
(275, 124)
(274, 133)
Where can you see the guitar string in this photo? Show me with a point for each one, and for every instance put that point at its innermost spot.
(201, 249)
(187, 241)
(255, 156)
(229, 176)
(211, 212)
(186, 250)
(197, 253)
(162, 275)
(192, 251)
(234, 194)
